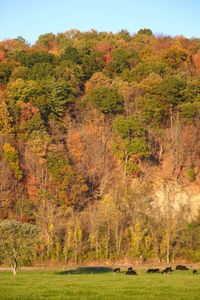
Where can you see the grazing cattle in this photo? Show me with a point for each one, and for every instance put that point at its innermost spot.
(131, 272)
(182, 268)
(153, 270)
(194, 271)
(167, 270)
(116, 270)
(156, 270)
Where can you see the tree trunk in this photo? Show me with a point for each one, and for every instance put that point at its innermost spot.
(14, 266)
(171, 122)
(168, 259)
(14, 270)
(168, 251)
(125, 168)
(156, 247)
(66, 255)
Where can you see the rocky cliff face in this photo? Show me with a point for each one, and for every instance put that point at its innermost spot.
(177, 197)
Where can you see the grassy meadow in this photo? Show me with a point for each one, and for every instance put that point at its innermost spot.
(97, 284)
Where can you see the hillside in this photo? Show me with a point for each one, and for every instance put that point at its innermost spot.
(100, 144)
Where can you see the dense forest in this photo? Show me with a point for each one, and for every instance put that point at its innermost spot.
(100, 145)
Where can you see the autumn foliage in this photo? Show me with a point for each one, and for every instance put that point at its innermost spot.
(94, 128)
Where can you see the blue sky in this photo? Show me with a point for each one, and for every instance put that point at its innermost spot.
(30, 18)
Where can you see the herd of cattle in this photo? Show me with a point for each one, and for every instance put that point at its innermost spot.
(130, 270)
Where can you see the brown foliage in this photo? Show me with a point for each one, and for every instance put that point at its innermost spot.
(27, 111)
(90, 147)
(2, 55)
(32, 186)
(196, 62)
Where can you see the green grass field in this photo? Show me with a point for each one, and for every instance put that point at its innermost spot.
(54, 285)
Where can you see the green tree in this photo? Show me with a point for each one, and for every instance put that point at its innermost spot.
(5, 119)
(62, 93)
(70, 73)
(91, 61)
(128, 127)
(152, 111)
(119, 61)
(71, 54)
(144, 69)
(188, 111)
(30, 125)
(41, 71)
(131, 145)
(171, 90)
(28, 59)
(20, 91)
(191, 92)
(20, 72)
(124, 34)
(146, 31)
(106, 99)
(5, 72)
(46, 40)
(11, 155)
(18, 242)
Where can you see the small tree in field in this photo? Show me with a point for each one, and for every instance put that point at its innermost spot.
(17, 242)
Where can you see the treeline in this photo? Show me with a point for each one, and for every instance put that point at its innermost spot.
(83, 117)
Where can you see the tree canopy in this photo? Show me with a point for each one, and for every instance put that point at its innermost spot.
(18, 242)
(99, 147)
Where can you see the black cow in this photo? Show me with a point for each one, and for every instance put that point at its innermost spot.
(130, 269)
(153, 270)
(167, 270)
(194, 271)
(131, 272)
(182, 268)
(116, 270)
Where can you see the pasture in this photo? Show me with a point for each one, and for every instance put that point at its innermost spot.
(97, 283)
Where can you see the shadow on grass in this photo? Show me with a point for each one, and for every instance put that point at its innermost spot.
(86, 270)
